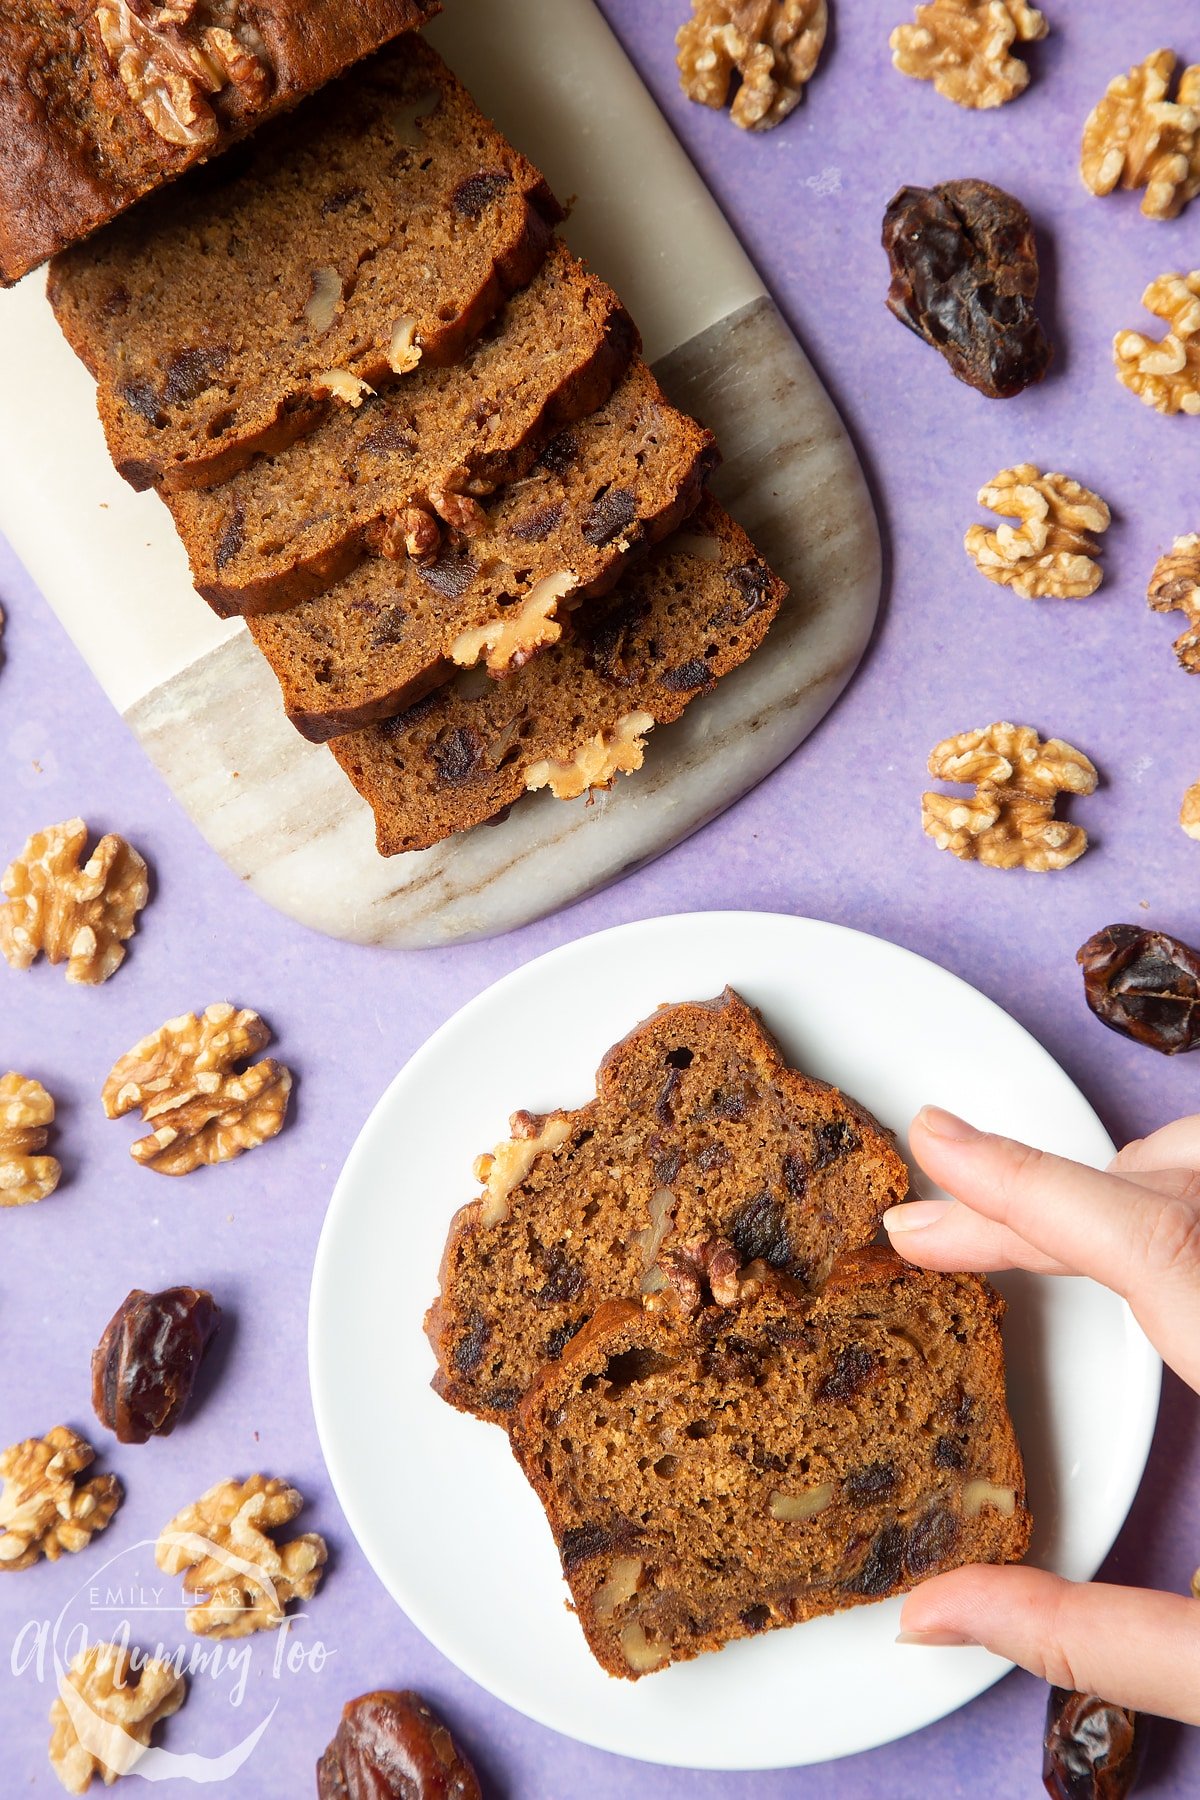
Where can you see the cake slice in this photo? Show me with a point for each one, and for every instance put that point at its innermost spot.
(379, 227)
(102, 101)
(578, 714)
(731, 1457)
(698, 1129)
(381, 471)
(382, 638)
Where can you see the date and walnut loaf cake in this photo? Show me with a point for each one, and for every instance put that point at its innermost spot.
(380, 472)
(102, 101)
(578, 714)
(376, 643)
(380, 226)
(730, 1456)
(699, 1129)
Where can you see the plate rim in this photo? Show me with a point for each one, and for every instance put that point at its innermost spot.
(323, 1279)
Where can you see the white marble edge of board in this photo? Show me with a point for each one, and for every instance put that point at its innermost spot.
(553, 73)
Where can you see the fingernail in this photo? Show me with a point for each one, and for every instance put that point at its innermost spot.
(916, 1215)
(947, 1125)
(937, 1640)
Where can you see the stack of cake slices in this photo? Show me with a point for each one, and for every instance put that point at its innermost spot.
(408, 436)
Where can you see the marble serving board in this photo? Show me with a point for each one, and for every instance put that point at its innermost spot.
(205, 706)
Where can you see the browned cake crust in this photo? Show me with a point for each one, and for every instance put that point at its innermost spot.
(380, 640)
(103, 100)
(713, 1471)
(698, 1128)
(578, 714)
(381, 226)
(291, 525)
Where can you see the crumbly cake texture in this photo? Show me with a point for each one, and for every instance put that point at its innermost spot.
(715, 1473)
(291, 525)
(84, 125)
(577, 715)
(698, 1129)
(383, 638)
(394, 221)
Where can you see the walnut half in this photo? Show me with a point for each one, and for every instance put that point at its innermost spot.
(81, 916)
(965, 48)
(767, 49)
(106, 1711)
(1051, 552)
(26, 1114)
(223, 1545)
(200, 1107)
(1009, 822)
(1136, 138)
(44, 1510)
(1165, 372)
(1175, 587)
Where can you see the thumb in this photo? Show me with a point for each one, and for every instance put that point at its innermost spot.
(1137, 1648)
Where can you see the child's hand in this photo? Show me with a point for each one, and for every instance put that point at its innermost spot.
(1136, 1229)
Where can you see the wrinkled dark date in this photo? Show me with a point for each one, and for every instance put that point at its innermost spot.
(1145, 985)
(964, 277)
(393, 1747)
(144, 1367)
(1093, 1749)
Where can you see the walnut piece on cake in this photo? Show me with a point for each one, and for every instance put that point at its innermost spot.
(200, 1107)
(1136, 138)
(773, 46)
(172, 58)
(1009, 822)
(1052, 551)
(1165, 372)
(106, 1712)
(26, 1114)
(81, 916)
(1189, 812)
(241, 1579)
(965, 48)
(44, 1510)
(1175, 587)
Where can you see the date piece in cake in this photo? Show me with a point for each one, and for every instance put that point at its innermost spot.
(101, 101)
(577, 716)
(380, 227)
(711, 1471)
(698, 1129)
(383, 638)
(291, 525)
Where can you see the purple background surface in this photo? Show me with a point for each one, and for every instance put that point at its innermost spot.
(835, 833)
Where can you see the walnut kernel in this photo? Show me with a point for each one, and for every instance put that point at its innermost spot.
(598, 762)
(81, 916)
(172, 58)
(1165, 372)
(106, 1711)
(965, 48)
(511, 1161)
(199, 1107)
(223, 1547)
(1189, 812)
(43, 1509)
(1138, 138)
(1051, 551)
(343, 385)
(515, 638)
(26, 1113)
(1175, 587)
(772, 45)
(1009, 822)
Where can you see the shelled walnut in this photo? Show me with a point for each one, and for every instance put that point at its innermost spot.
(965, 48)
(1165, 372)
(200, 1107)
(1051, 552)
(171, 59)
(1189, 812)
(81, 916)
(390, 1744)
(145, 1366)
(766, 50)
(222, 1545)
(1137, 138)
(1009, 822)
(1175, 587)
(44, 1510)
(26, 1114)
(106, 1712)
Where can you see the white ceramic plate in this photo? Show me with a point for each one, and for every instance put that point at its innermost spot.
(436, 1501)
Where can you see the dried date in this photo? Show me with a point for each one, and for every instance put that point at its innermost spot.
(144, 1367)
(394, 1747)
(1093, 1750)
(964, 277)
(1145, 985)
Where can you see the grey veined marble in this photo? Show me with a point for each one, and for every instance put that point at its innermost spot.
(291, 825)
